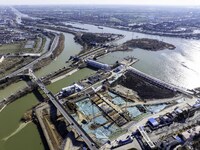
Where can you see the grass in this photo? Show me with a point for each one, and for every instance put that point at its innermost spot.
(19, 47)
(43, 44)
(11, 48)
(117, 134)
(138, 118)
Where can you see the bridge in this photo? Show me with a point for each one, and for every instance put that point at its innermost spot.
(86, 138)
(31, 64)
(146, 137)
(91, 53)
(21, 55)
(158, 82)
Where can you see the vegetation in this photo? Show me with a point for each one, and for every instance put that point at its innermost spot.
(11, 48)
(87, 40)
(55, 53)
(117, 133)
(149, 44)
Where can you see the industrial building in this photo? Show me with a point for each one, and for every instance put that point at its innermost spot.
(97, 65)
(118, 69)
(190, 133)
(67, 91)
(153, 122)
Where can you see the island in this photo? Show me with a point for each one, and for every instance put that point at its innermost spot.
(149, 44)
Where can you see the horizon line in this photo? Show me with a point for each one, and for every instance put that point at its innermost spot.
(98, 4)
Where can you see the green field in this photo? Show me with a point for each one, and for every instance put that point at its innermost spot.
(10, 48)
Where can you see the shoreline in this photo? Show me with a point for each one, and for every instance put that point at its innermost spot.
(63, 76)
(3, 108)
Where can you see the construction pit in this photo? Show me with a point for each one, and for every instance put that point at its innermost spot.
(107, 113)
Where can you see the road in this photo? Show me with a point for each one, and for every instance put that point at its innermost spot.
(30, 65)
(91, 52)
(133, 127)
(21, 55)
(87, 139)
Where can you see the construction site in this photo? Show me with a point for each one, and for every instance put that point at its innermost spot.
(106, 107)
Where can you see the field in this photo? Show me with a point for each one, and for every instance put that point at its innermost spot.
(10, 48)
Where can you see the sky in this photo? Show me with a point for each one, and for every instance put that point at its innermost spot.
(92, 2)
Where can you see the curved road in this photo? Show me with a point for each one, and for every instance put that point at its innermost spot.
(30, 65)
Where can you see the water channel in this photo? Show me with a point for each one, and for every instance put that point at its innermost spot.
(179, 67)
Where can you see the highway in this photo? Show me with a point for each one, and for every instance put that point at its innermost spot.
(30, 65)
(21, 55)
(87, 139)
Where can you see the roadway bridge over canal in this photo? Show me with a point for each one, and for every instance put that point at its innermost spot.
(86, 138)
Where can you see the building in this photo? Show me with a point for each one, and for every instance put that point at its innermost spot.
(165, 119)
(97, 65)
(118, 69)
(189, 134)
(93, 79)
(67, 91)
(153, 122)
(170, 143)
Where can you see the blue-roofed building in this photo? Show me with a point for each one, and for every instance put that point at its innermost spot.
(97, 65)
(196, 105)
(179, 139)
(153, 122)
(178, 111)
(118, 69)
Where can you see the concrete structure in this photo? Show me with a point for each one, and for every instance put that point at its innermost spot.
(146, 137)
(97, 65)
(191, 133)
(158, 82)
(30, 65)
(87, 139)
(70, 90)
(2, 58)
(153, 122)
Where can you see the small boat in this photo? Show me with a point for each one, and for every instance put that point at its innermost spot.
(100, 27)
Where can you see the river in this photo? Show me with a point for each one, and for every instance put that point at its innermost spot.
(179, 66)
(11, 115)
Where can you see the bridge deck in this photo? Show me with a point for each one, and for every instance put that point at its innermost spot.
(146, 137)
(87, 139)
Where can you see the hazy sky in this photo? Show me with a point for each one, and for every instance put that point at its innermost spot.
(133, 2)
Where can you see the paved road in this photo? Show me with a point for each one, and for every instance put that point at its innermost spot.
(21, 55)
(87, 139)
(91, 52)
(133, 127)
(30, 65)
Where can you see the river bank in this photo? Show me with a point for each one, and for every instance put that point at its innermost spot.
(158, 69)
(149, 44)
(58, 50)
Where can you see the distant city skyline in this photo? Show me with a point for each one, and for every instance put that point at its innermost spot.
(101, 2)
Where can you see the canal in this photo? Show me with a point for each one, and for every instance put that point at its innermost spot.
(179, 67)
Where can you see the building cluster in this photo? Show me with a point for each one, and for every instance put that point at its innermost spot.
(11, 36)
(179, 129)
(67, 91)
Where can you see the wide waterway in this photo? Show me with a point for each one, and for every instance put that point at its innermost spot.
(179, 67)
(15, 135)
